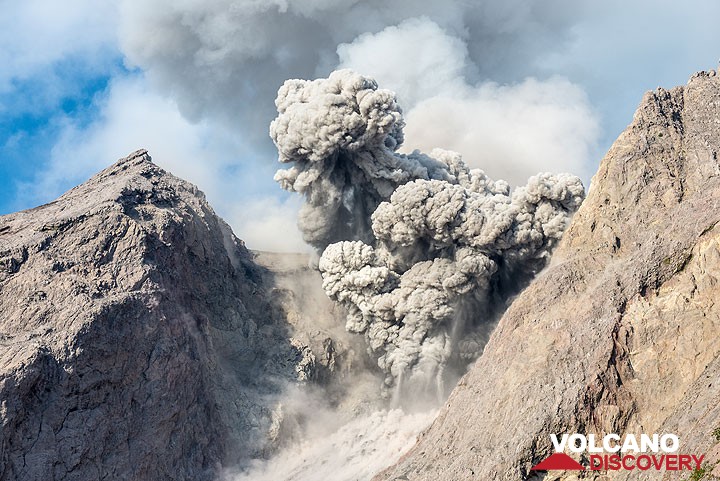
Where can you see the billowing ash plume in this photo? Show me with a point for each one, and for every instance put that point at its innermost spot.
(421, 250)
(341, 134)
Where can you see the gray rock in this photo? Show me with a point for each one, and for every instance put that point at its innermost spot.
(318, 323)
(137, 337)
(620, 332)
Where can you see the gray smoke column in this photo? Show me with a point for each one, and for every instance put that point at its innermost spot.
(422, 251)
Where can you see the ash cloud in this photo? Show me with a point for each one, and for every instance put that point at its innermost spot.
(341, 134)
(421, 250)
(224, 59)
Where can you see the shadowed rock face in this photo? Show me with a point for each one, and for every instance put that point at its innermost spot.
(620, 333)
(136, 339)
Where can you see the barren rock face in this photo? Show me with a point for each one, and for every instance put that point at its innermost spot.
(620, 333)
(136, 339)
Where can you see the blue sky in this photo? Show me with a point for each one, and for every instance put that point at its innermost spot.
(32, 119)
(515, 86)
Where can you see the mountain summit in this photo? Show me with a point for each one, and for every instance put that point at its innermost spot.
(126, 309)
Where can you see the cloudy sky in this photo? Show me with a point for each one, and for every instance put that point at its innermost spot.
(516, 86)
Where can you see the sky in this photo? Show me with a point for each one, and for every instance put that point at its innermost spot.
(517, 87)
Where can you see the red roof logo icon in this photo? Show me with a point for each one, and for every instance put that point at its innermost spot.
(558, 461)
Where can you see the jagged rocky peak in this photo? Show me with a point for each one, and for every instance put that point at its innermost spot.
(619, 333)
(137, 336)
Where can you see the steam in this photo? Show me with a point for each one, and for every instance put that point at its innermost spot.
(421, 250)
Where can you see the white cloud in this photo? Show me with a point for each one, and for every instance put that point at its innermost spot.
(132, 117)
(34, 34)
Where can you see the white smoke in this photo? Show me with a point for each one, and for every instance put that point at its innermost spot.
(421, 250)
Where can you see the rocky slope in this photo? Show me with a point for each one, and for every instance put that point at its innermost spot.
(138, 339)
(620, 333)
(333, 360)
